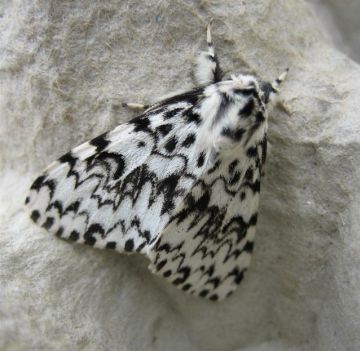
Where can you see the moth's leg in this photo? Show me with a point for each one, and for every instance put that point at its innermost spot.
(207, 68)
(135, 107)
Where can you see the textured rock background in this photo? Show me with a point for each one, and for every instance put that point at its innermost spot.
(341, 23)
(65, 68)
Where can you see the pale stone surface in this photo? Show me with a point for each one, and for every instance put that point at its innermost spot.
(341, 23)
(65, 68)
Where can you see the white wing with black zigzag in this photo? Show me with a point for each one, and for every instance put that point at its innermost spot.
(119, 190)
(207, 246)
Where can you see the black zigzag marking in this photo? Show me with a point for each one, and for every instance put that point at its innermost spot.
(110, 186)
(210, 228)
(44, 181)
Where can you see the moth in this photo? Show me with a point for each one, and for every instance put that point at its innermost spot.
(179, 183)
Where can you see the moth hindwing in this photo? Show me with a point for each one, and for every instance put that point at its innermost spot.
(179, 183)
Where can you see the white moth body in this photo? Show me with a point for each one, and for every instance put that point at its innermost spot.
(179, 183)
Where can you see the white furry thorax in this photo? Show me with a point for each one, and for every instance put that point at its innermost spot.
(220, 111)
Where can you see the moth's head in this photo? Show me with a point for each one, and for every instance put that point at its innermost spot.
(245, 84)
(270, 90)
(238, 105)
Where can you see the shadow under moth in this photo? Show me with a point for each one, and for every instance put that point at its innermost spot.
(179, 183)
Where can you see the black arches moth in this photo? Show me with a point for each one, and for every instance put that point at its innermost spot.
(179, 183)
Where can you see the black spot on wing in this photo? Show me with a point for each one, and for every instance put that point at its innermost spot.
(215, 166)
(259, 120)
(238, 275)
(203, 202)
(234, 134)
(252, 152)
(68, 158)
(255, 187)
(235, 178)
(172, 113)
(35, 215)
(253, 219)
(249, 92)
(185, 271)
(259, 117)
(189, 140)
(214, 281)
(141, 246)
(186, 287)
(73, 207)
(224, 104)
(164, 247)
(141, 123)
(214, 297)
(249, 174)
(120, 166)
(247, 110)
(171, 144)
(249, 247)
(211, 270)
(58, 205)
(41, 182)
(238, 134)
(100, 142)
(160, 265)
(165, 129)
(111, 245)
(94, 228)
(236, 253)
(38, 183)
(204, 293)
(238, 226)
(201, 160)
(233, 165)
(167, 187)
(60, 231)
(192, 116)
(167, 273)
(48, 223)
(74, 235)
(105, 158)
(129, 245)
